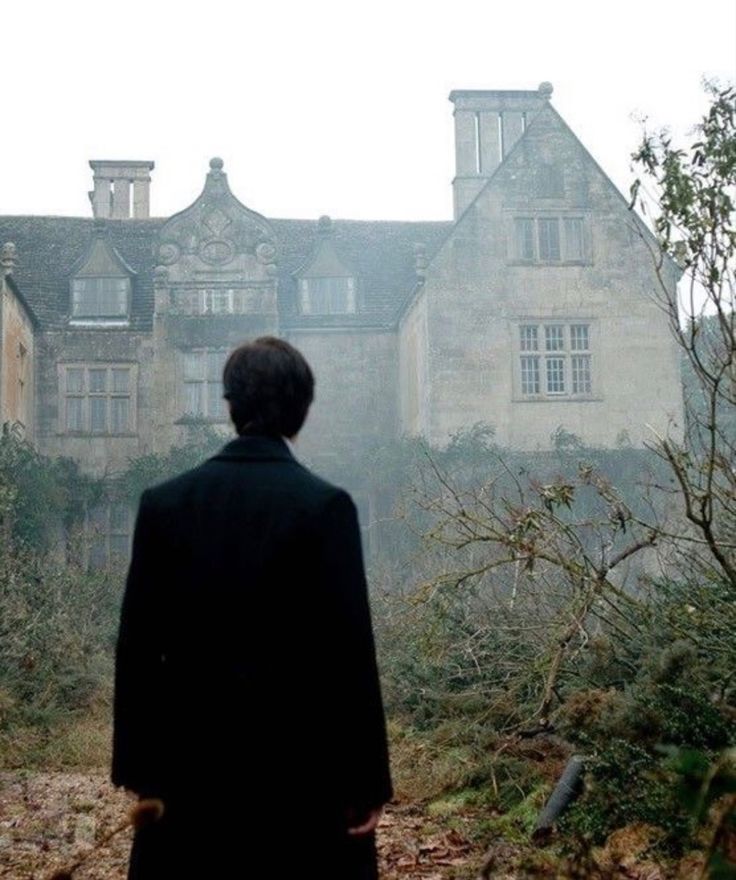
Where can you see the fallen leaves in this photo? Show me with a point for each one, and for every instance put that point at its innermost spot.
(50, 820)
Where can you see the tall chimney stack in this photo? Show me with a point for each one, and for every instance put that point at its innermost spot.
(115, 181)
(487, 125)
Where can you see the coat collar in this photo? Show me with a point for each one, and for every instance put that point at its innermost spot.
(256, 448)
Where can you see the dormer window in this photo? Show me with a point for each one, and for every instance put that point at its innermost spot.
(327, 296)
(100, 298)
(326, 282)
(100, 285)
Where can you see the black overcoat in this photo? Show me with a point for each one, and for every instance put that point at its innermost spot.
(246, 689)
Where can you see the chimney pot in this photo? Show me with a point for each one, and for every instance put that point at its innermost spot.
(113, 181)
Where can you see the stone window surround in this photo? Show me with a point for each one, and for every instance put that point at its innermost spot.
(64, 394)
(108, 526)
(306, 304)
(594, 349)
(111, 320)
(515, 259)
(206, 381)
(211, 300)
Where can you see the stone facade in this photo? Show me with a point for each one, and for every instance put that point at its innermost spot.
(17, 350)
(532, 310)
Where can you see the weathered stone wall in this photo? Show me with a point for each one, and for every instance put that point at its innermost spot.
(356, 398)
(413, 354)
(16, 362)
(103, 453)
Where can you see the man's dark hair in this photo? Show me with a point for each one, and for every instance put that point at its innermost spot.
(269, 386)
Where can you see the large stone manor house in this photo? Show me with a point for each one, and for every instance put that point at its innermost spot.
(533, 309)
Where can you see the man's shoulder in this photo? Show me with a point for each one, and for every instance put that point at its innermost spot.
(288, 474)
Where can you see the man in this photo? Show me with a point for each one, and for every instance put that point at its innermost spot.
(246, 691)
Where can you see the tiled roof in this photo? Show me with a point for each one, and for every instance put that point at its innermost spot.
(382, 253)
(49, 248)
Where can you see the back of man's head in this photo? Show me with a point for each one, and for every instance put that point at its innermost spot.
(269, 386)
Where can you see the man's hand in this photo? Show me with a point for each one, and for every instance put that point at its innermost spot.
(363, 821)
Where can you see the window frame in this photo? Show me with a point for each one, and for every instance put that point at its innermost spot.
(579, 255)
(105, 536)
(77, 318)
(555, 343)
(204, 382)
(85, 394)
(305, 295)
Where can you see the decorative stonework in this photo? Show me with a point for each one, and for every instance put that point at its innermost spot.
(8, 258)
(217, 238)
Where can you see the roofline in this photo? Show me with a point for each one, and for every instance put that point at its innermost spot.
(13, 285)
(629, 207)
(94, 164)
(493, 93)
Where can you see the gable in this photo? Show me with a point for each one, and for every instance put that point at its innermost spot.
(548, 170)
(102, 260)
(217, 236)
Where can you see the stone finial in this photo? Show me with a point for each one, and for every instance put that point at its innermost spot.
(8, 258)
(324, 225)
(545, 90)
(160, 276)
(266, 256)
(216, 165)
(420, 260)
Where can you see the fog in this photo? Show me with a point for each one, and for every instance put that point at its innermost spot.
(432, 206)
(328, 107)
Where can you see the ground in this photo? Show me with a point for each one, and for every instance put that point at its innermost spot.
(48, 820)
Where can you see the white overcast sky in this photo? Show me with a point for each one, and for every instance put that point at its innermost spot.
(325, 107)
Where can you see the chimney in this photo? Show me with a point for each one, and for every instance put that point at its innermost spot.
(115, 182)
(487, 125)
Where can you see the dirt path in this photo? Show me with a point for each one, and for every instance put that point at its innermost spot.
(48, 819)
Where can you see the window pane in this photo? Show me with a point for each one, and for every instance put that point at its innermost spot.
(549, 238)
(530, 375)
(579, 337)
(573, 238)
(328, 296)
(581, 383)
(555, 375)
(524, 238)
(194, 398)
(554, 337)
(529, 337)
(121, 381)
(98, 415)
(194, 365)
(97, 381)
(85, 302)
(74, 414)
(215, 364)
(74, 380)
(100, 297)
(220, 302)
(119, 415)
(214, 396)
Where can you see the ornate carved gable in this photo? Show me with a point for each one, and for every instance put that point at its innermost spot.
(217, 239)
